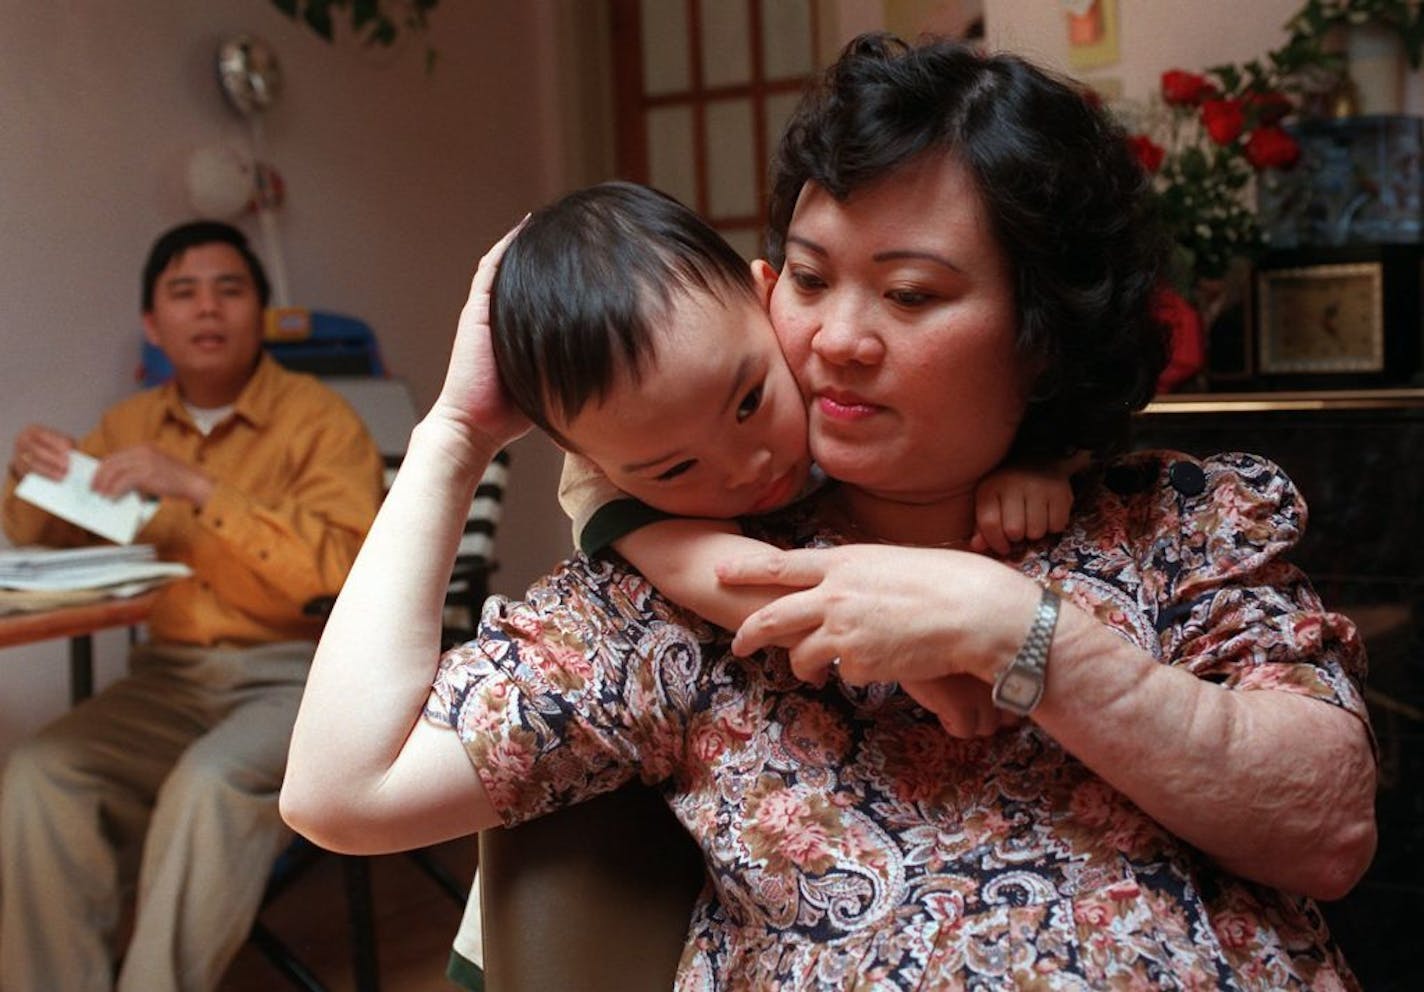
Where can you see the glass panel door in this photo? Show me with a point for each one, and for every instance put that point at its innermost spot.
(703, 88)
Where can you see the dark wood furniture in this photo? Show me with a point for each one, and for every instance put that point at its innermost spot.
(1358, 458)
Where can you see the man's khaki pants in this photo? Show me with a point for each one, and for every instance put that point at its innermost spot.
(170, 775)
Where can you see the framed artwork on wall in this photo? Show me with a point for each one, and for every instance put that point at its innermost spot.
(1092, 32)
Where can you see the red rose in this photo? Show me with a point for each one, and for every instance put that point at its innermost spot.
(1185, 88)
(1270, 147)
(1224, 120)
(1188, 344)
(1268, 107)
(1148, 153)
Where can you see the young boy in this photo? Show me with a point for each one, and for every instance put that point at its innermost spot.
(617, 292)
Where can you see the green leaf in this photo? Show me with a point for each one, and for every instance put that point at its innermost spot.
(374, 21)
(1230, 77)
(318, 17)
(384, 33)
(1194, 164)
(363, 12)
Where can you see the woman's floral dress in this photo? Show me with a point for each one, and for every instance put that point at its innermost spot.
(850, 843)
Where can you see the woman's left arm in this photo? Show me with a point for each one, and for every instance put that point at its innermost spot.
(1277, 787)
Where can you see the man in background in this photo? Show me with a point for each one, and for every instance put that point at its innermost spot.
(165, 784)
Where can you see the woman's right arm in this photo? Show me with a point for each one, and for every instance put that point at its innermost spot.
(366, 773)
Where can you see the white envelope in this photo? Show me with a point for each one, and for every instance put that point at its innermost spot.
(74, 499)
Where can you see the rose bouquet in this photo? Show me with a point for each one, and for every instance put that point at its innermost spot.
(1205, 140)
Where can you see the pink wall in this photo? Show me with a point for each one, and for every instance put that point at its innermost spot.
(1154, 35)
(396, 181)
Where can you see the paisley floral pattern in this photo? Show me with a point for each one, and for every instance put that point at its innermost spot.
(849, 842)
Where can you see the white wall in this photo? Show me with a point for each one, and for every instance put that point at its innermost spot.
(396, 181)
(1153, 35)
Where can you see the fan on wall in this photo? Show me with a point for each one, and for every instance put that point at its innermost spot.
(225, 182)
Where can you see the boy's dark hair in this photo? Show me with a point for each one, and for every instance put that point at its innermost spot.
(1071, 208)
(585, 283)
(175, 241)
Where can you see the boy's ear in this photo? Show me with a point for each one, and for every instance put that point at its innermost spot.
(764, 279)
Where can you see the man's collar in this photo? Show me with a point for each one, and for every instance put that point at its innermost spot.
(258, 400)
(256, 403)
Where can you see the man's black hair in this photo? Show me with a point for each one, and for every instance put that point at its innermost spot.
(172, 243)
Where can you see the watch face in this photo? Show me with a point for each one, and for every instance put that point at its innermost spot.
(1322, 318)
(1017, 689)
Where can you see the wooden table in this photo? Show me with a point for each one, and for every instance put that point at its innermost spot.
(78, 623)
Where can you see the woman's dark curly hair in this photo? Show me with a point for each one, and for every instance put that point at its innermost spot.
(1070, 205)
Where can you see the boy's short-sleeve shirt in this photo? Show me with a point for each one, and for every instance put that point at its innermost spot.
(849, 841)
(601, 513)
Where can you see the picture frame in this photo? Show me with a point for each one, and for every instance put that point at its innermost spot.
(1324, 318)
(1339, 317)
(1092, 33)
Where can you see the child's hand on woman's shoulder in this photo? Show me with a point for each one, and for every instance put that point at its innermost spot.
(1017, 503)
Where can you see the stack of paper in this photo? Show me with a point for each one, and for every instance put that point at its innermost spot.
(36, 578)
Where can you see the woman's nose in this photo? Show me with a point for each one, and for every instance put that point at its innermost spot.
(846, 336)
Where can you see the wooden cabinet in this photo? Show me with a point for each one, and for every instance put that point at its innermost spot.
(1358, 458)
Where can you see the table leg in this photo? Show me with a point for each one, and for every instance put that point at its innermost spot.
(81, 668)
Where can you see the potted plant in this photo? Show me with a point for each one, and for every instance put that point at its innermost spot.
(1368, 42)
(376, 23)
(1204, 142)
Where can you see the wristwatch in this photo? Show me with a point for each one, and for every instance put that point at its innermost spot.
(1019, 686)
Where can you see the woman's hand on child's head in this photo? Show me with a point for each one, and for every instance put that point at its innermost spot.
(473, 399)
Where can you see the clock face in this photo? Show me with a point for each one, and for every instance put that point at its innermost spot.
(1322, 318)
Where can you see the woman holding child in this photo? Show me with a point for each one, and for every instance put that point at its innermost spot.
(963, 273)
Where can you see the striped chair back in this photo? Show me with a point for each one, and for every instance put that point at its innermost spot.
(474, 561)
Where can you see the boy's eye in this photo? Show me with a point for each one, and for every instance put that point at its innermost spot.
(676, 470)
(750, 404)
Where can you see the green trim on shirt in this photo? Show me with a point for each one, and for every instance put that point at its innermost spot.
(614, 520)
(465, 973)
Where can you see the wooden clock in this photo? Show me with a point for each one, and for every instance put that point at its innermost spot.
(1338, 318)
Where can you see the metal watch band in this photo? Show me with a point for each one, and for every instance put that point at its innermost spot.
(1019, 686)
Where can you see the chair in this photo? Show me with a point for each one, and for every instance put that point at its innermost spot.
(595, 897)
(335, 344)
(380, 403)
(474, 559)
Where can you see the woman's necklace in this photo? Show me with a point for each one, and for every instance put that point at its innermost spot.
(845, 525)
